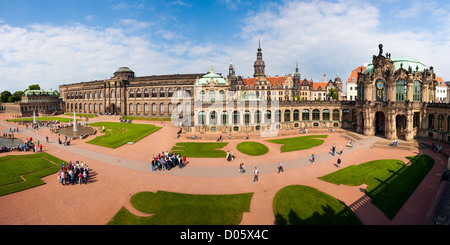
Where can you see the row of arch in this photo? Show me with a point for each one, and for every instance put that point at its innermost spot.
(132, 93)
(133, 109)
(439, 122)
(237, 117)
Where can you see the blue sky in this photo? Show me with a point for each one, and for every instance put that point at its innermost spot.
(54, 42)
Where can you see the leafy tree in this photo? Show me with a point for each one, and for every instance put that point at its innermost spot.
(5, 95)
(34, 87)
(332, 93)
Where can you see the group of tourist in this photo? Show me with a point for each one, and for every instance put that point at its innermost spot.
(27, 146)
(167, 161)
(73, 173)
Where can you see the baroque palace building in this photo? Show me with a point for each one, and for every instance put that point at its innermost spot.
(393, 100)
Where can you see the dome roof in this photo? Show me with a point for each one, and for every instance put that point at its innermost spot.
(124, 69)
(207, 78)
(405, 62)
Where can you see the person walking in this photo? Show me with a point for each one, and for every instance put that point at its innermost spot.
(333, 149)
(313, 156)
(340, 150)
(255, 177)
(339, 162)
(280, 167)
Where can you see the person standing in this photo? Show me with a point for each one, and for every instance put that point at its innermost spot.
(313, 156)
(339, 162)
(40, 147)
(63, 177)
(255, 177)
(340, 150)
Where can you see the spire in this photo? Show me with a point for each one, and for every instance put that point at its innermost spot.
(259, 41)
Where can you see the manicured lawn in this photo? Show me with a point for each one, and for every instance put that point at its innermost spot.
(201, 150)
(43, 119)
(118, 134)
(299, 143)
(148, 118)
(389, 182)
(252, 148)
(80, 115)
(31, 167)
(183, 209)
(304, 205)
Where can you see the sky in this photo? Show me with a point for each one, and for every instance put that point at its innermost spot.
(53, 42)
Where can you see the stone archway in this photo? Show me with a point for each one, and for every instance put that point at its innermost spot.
(400, 125)
(112, 109)
(380, 125)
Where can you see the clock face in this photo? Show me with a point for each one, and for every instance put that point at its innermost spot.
(380, 85)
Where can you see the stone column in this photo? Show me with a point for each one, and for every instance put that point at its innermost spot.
(409, 135)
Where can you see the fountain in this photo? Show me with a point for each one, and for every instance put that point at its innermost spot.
(74, 122)
(34, 117)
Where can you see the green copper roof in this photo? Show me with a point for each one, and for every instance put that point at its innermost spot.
(42, 91)
(215, 77)
(124, 69)
(405, 62)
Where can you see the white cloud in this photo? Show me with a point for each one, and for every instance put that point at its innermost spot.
(325, 37)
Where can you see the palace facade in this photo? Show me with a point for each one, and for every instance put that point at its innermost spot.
(40, 102)
(393, 99)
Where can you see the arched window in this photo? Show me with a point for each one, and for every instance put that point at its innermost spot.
(400, 90)
(305, 115)
(95, 107)
(258, 117)
(154, 108)
(154, 95)
(138, 93)
(138, 109)
(131, 93)
(170, 108)
(335, 115)
(101, 94)
(315, 115)
(430, 121)
(212, 96)
(221, 95)
(296, 115)
(145, 109)
(170, 92)
(277, 116)
(161, 108)
(268, 117)
(95, 95)
(326, 115)
(202, 96)
(224, 118)
(247, 117)
(146, 93)
(113, 93)
(101, 107)
(360, 91)
(287, 115)
(417, 91)
(201, 118)
(236, 117)
(213, 118)
(130, 109)
(179, 92)
(441, 123)
(161, 93)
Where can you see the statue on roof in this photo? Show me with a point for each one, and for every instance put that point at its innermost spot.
(380, 46)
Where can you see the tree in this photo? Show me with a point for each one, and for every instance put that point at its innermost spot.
(4, 96)
(332, 93)
(34, 87)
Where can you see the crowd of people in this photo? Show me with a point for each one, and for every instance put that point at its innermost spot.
(27, 146)
(73, 173)
(167, 161)
(230, 156)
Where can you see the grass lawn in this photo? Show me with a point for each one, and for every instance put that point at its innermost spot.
(183, 209)
(43, 119)
(304, 205)
(389, 182)
(118, 134)
(201, 150)
(31, 167)
(252, 148)
(299, 143)
(80, 115)
(148, 118)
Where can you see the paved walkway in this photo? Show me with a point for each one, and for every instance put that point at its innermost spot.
(122, 172)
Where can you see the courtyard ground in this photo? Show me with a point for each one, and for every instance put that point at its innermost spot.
(119, 173)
